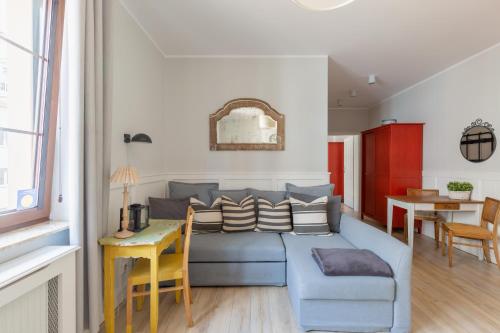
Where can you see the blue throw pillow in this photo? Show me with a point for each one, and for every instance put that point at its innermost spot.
(318, 190)
(273, 196)
(180, 190)
(235, 195)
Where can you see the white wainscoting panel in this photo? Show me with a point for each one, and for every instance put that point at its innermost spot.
(485, 185)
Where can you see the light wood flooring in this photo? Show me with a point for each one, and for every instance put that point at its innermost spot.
(465, 298)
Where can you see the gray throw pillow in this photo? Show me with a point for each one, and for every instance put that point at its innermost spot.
(207, 219)
(350, 262)
(273, 196)
(236, 195)
(318, 190)
(168, 209)
(309, 217)
(274, 217)
(180, 190)
(309, 192)
(238, 216)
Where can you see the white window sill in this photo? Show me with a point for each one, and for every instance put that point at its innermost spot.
(19, 236)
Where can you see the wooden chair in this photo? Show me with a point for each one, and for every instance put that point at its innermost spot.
(171, 267)
(490, 214)
(424, 216)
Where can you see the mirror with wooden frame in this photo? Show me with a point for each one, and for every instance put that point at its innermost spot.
(247, 124)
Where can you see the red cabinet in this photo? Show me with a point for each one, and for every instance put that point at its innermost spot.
(391, 162)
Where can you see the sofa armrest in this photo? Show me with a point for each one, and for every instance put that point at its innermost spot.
(397, 254)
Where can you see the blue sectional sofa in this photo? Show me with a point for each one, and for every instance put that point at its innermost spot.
(353, 304)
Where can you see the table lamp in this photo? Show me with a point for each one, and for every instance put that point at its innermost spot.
(126, 175)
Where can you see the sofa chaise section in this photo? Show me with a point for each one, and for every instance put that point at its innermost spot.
(354, 304)
(237, 259)
(398, 255)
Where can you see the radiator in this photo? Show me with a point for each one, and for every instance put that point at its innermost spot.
(37, 292)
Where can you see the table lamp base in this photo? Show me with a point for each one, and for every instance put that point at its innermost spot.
(123, 234)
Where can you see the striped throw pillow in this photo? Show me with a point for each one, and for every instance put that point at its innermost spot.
(238, 216)
(206, 219)
(274, 217)
(309, 218)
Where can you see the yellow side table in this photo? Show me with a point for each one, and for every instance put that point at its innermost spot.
(148, 243)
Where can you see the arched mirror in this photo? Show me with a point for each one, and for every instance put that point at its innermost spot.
(478, 141)
(247, 124)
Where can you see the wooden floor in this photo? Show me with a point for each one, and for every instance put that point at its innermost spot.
(465, 298)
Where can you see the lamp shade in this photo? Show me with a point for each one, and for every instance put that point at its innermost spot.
(322, 5)
(125, 175)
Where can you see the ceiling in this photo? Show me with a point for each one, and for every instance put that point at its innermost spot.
(401, 41)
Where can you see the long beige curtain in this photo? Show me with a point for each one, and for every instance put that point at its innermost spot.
(85, 153)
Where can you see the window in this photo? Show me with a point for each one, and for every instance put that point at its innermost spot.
(30, 52)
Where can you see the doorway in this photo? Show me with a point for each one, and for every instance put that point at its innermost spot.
(336, 167)
(344, 167)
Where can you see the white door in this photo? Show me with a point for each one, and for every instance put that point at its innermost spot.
(349, 172)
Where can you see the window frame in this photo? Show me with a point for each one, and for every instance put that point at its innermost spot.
(41, 213)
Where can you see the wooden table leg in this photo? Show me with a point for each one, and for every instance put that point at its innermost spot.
(178, 249)
(153, 322)
(411, 224)
(477, 216)
(390, 205)
(109, 290)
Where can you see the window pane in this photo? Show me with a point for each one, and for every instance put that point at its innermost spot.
(18, 86)
(18, 165)
(22, 22)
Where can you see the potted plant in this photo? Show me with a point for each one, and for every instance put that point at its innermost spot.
(460, 190)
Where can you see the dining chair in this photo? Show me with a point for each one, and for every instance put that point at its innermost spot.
(424, 216)
(171, 267)
(490, 215)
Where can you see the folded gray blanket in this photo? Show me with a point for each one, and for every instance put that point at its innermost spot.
(350, 262)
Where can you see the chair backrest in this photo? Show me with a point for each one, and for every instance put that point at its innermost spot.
(418, 192)
(187, 237)
(491, 213)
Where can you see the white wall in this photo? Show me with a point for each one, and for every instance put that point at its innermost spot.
(133, 91)
(294, 86)
(348, 120)
(447, 103)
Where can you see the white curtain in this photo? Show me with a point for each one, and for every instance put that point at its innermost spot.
(85, 152)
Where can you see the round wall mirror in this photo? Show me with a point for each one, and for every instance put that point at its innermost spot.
(478, 141)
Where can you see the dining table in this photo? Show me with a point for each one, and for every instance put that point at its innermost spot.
(429, 204)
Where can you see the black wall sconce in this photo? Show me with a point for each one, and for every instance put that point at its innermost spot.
(141, 137)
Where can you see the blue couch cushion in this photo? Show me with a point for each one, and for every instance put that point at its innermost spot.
(237, 247)
(273, 196)
(311, 283)
(180, 190)
(235, 195)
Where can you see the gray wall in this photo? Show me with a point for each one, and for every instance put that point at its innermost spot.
(446, 104)
(196, 87)
(348, 120)
(133, 90)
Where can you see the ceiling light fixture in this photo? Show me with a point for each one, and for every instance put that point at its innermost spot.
(372, 79)
(322, 5)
